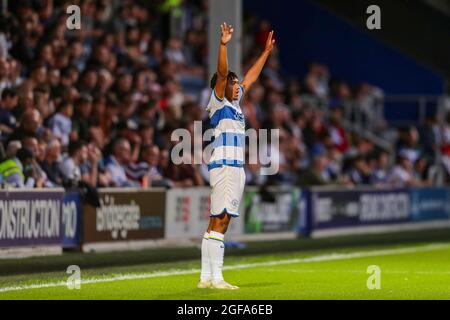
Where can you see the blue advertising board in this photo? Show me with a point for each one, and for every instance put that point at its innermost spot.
(71, 220)
(325, 208)
(430, 204)
(347, 208)
(29, 218)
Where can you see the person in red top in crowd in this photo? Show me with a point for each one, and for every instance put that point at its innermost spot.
(337, 131)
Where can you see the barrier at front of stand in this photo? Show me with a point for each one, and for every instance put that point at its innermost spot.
(337, 209)
(123, 215)
(38, 217)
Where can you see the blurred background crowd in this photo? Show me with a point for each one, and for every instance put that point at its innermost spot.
(98, 105)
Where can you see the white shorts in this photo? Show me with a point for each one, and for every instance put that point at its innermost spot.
(227, 183)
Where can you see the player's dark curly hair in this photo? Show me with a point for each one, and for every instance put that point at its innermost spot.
(231, 75)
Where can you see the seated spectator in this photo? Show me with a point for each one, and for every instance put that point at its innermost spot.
(51, 163)
(402, 175)
(337, 131)
(82, 120)
(146, 172)
(30, 125)
(316, 81)
(359, 172)
(32, 144)
(422, 172)
(380, 168)
(408, 143)
(81, 164)
(150, 155)
(316, 174)
(11, 150)
(61, 123)
(89, 169)
(368, 100)
(138, 173)
(135, 86)
(430, 138)
(18, 171)
(184, 175)
(116, 163)
(334, 166)
(70, 165)
(8, 103)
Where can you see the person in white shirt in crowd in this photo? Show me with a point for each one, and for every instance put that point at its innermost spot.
(115, 164)
(61, 123)
(402, 174)
(81, 163)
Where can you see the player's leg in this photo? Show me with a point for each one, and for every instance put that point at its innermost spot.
(217, 184)
(216, 249)
(206, 272)
(230, 187)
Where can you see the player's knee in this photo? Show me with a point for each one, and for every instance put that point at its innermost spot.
(220, 223)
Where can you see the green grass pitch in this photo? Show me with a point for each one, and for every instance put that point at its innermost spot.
(411, 271)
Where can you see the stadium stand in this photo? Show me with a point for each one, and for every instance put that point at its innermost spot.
(98, 106)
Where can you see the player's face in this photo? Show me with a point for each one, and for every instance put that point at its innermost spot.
(232, 89)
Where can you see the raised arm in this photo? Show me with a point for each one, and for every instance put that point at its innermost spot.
(222, 63)
(253, 73)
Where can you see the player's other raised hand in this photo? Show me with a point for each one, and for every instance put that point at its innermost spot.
(269, 42)
(227, 32)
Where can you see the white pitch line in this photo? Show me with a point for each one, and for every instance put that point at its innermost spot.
(360, 271)
(175, 272)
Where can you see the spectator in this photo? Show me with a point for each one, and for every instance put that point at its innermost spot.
(380, 168)
(116, 163)
(337, 131)
(18, 171)
(31, 143)
(359, 172)
(81, 164)
(429, 138)
(316, 174)
(11, 150)
(8, 103)
(51, 163)
(402, 174)
(82, 120)
(150, 156)
(408, 143)
(70, 165)
(30, 125)
(5, 83)
(184, 175)
(146, 171)
(61, 123)
(130, 81)
(316, 81)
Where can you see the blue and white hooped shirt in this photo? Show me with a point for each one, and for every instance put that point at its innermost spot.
(228, 123)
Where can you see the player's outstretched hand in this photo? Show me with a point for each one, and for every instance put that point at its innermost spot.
(269, 42)
(227, 32)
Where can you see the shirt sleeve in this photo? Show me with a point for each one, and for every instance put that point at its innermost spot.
(214, 102)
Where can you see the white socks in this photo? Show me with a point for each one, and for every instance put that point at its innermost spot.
(216, 250)
(206, 273)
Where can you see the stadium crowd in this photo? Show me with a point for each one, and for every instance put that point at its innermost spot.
(98, 105)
